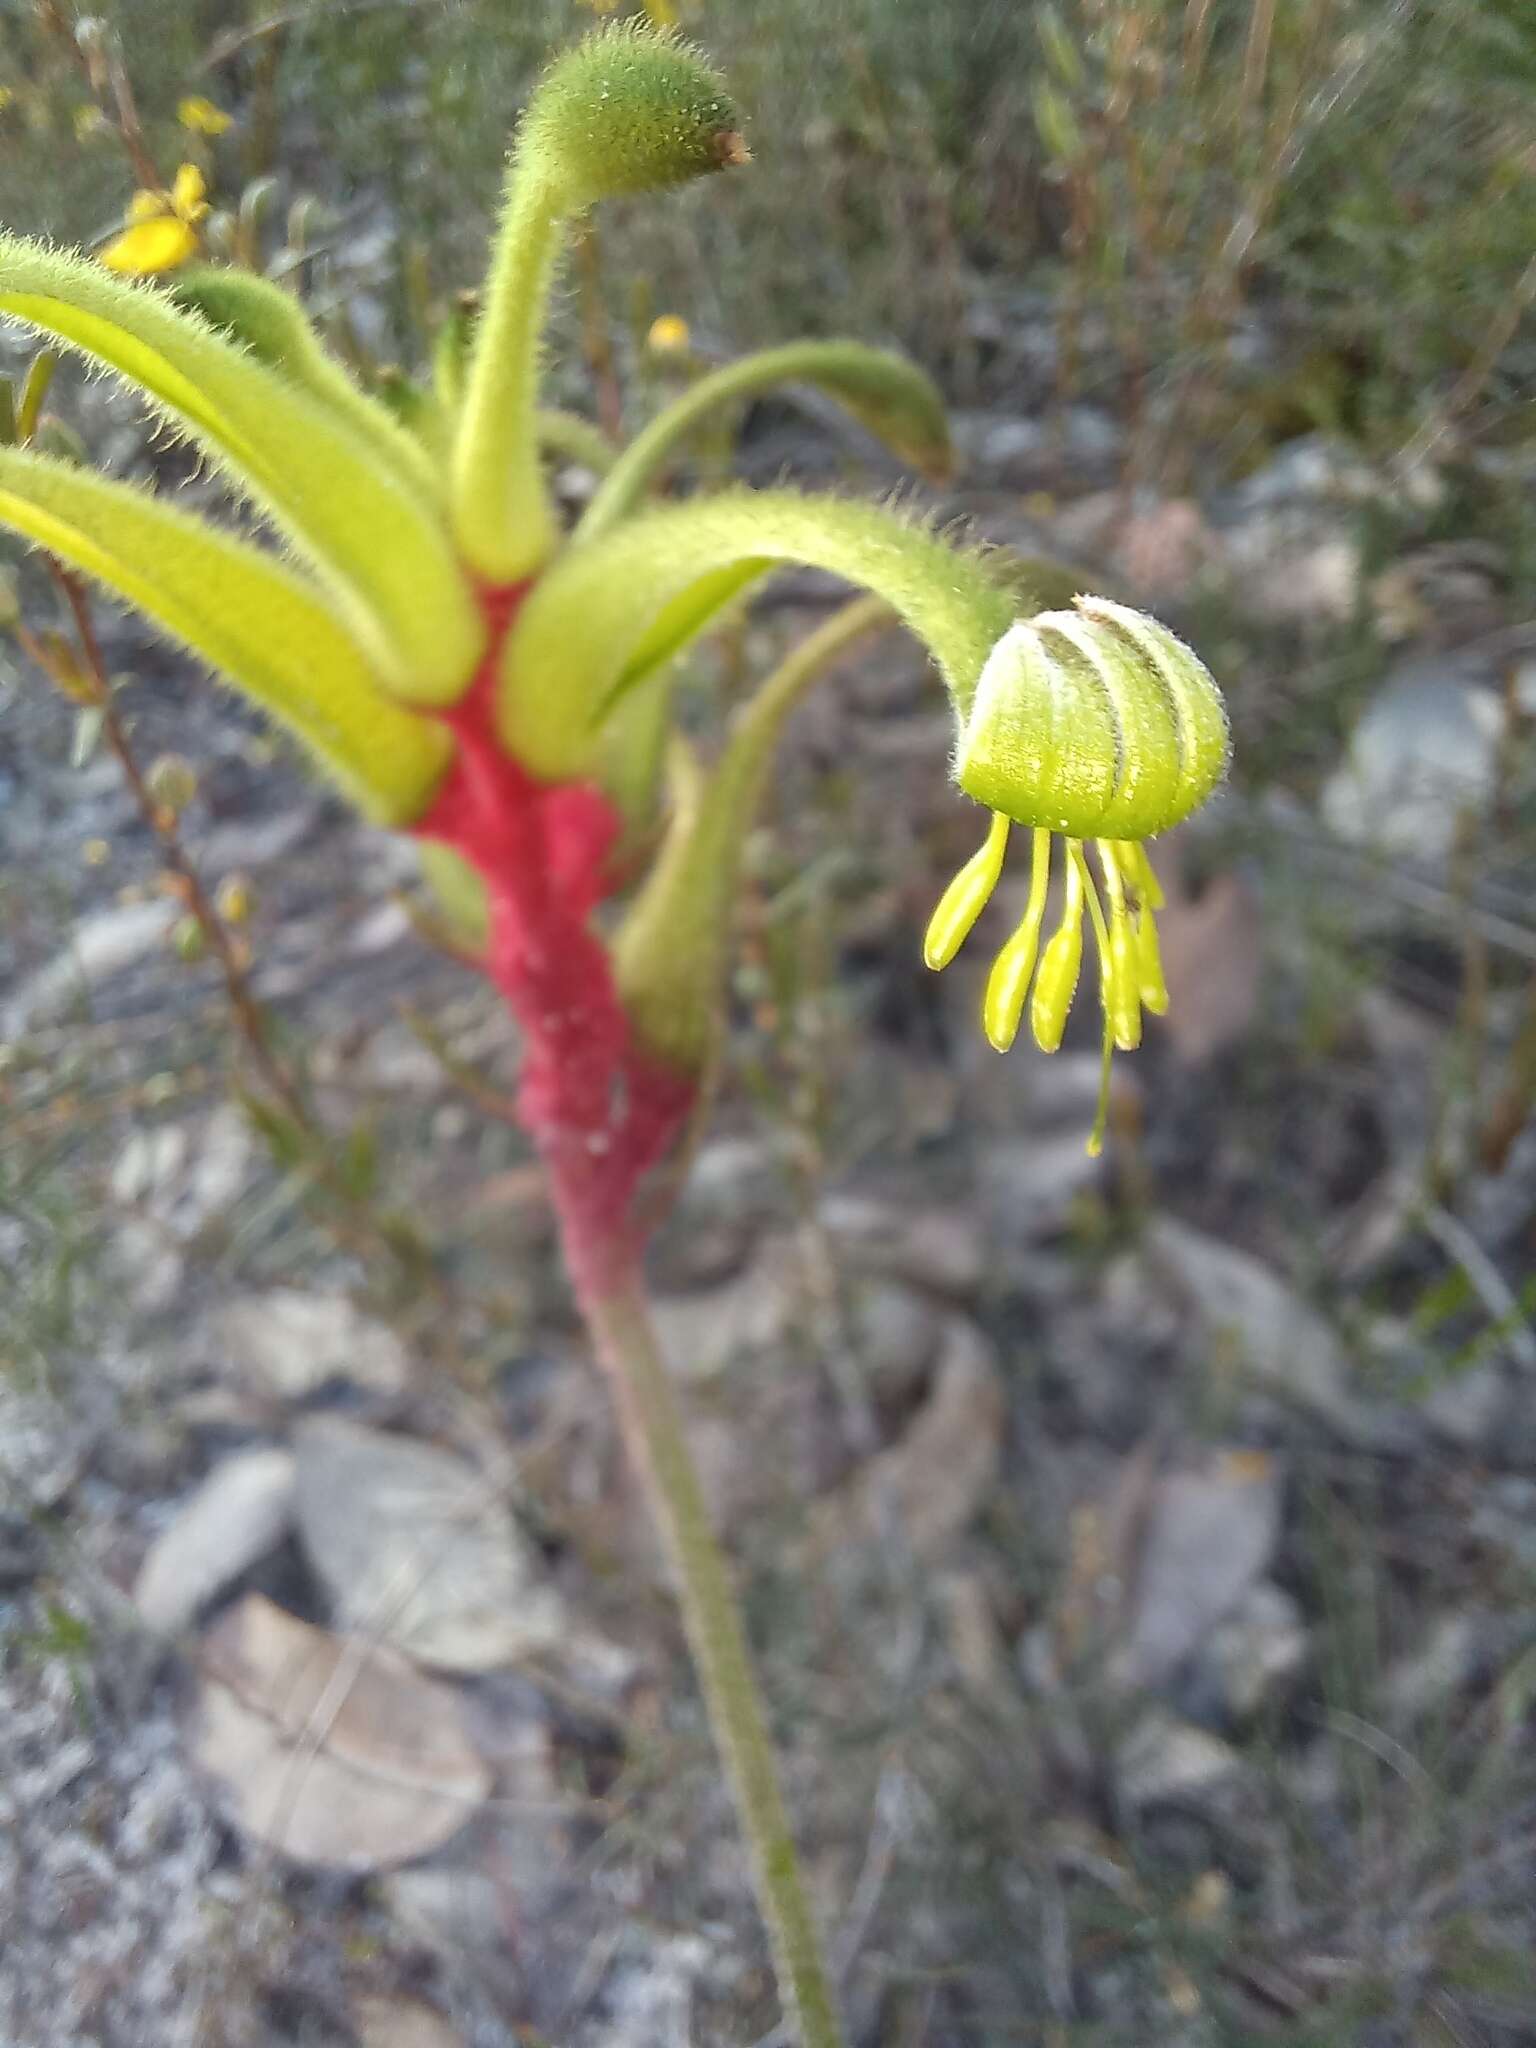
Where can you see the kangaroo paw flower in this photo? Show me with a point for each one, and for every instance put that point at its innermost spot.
(1099, 726)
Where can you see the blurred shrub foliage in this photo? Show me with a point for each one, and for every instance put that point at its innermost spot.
(1360, 172)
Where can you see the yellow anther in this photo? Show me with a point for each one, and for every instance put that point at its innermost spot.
(966, 897)
(1120, 978)
(1061, 963)
(1101, 1108)
(1137, 870)
(1149, 963)
(1014, 967)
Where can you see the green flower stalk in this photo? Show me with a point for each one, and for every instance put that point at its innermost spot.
(468, 673)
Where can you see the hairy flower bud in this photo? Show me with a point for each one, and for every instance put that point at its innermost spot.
(631, 109)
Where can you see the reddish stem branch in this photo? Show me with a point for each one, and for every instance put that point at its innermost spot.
(602, 1111)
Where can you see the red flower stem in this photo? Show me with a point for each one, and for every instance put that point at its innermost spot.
(601, 1109)
(603, 1113)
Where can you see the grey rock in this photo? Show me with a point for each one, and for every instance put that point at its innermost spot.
(1029, 1186)
(416, 1546)
(735, 1189)
(1505, 1519)
(1469, 1409)
(1250, 1658)
(1313, 469)
(1165, 1761)
(240, 1512)
(1253, 1322)
(941, 1250)
(288, 1344)
(1421, 756)
(1295, 565)
(100, 946)
(703, 1334)
(1428, 1679)
(1209, 1535)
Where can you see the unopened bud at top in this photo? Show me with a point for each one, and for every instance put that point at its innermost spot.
(631, 109)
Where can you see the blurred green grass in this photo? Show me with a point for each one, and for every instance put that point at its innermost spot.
(1364, 167)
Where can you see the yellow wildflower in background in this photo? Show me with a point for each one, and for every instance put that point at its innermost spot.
(668, 335)
(162, 228)
(89, 120)
(202, 117)
(659, 13)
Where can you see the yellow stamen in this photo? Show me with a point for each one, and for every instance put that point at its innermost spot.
(1107, 993)
(1122, 978)
(966, 897)
(1137, 870)
(1149, 963)
(1062, 961)
(1012, 970)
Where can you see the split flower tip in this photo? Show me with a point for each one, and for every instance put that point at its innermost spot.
(1096, 725)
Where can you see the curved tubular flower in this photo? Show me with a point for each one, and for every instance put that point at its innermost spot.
(576, 637)
(1096, 724)
(383, 553)
(885, 393)
(670, 951)
(625, 112)
(273, 327)
(574, 439)
(249, 616)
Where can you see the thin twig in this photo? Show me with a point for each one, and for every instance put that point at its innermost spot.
(1487, 1282)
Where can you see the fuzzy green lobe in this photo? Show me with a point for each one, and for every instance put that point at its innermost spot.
(671, 950)
(271, 324)
(885, 393)
(582, 625)
(628, 110)
(382, 551)
(251, 618)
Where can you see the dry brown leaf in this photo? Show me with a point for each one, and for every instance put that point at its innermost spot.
(922, 1491)
(1212, 953)
(330, 1749)
(401, 2023)
(1209, 1536)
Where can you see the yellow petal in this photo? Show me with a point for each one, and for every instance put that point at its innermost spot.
(146, 205)
(966, 897)
(150, 247)
(1008, 984)
(189, 193)
(1149, 964)
(1061, 963)
(202, 116)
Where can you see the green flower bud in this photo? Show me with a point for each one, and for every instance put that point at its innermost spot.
(631, 109)
(172, 781)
